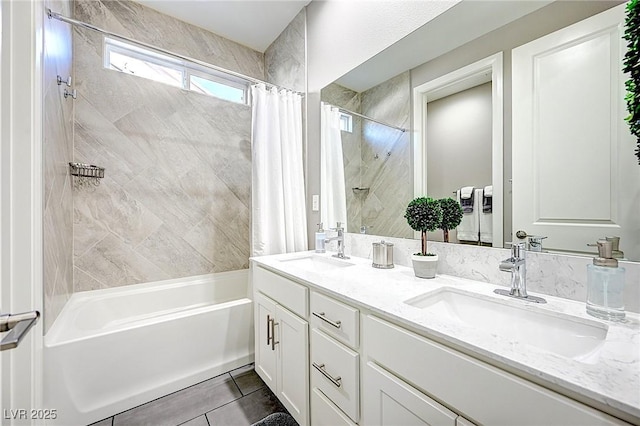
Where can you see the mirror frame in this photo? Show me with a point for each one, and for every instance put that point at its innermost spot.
(453, 82)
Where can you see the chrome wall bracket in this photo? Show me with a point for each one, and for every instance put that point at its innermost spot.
(67, 81)
(72, 93)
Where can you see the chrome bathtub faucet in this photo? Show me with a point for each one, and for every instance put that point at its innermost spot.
(517, 265)
(340, 239)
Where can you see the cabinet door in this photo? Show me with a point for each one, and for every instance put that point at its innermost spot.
(292, 335)
(390, 401)
(325, 413)
(266, 355)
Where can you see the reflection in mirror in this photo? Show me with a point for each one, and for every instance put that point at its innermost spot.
(459, 156)
(376, 156)
(390, 178)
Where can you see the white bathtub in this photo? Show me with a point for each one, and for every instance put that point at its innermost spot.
(114, 349)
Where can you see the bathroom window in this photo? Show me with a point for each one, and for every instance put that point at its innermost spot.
(130, 59)
(212, 86)
(346, 122)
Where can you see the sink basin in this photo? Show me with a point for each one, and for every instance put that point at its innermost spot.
(562, 334)
(317, 263)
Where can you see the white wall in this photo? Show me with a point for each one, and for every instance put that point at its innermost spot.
(343, 34)
(459, 135)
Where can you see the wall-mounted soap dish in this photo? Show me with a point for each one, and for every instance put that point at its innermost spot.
(360, 190)
(86, 174)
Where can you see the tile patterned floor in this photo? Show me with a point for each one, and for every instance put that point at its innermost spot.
(238, 397)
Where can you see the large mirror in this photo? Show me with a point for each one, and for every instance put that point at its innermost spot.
(421, 118)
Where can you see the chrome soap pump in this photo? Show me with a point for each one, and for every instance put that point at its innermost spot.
(605, 284)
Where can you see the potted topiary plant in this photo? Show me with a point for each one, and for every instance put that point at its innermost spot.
(424, 214)
(451, 216)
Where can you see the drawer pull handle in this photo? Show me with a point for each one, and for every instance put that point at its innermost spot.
(320, 315)
(321, 369)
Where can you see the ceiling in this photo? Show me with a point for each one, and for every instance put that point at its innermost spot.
(253, 23)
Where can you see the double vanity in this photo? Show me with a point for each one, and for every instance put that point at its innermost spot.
(342, 343)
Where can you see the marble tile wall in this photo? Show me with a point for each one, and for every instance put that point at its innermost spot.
(175, 200)
(553, 274)
(386, 157)
(141, 23)
(376, 156)
(285, 63)
(58, 152)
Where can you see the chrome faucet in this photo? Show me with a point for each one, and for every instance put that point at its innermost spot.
(340, 239)
(517, 265)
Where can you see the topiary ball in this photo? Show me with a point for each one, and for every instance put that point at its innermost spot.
(424, 214)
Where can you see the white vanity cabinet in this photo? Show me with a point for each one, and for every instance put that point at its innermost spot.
(333, 362)
(469, 387)
(282, 340)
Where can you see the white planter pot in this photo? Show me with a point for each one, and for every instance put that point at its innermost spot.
(425, 266)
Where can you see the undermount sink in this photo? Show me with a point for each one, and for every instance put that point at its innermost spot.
(317, 263)
(562, 334)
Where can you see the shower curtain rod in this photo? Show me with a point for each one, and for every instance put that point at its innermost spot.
(55, 15)
(402, 129)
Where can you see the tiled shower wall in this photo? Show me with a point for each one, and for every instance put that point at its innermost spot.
(285, 63)
(175, 200)
(58, 151)
(386, 157)
(376, 156)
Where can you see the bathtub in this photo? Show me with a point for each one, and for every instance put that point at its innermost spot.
(113, 349)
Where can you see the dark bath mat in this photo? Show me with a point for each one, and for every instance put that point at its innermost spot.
(277, 419)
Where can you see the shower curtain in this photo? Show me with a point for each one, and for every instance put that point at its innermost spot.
(278, 217)
(333, 201)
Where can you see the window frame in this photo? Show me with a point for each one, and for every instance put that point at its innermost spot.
(235, 83)
(348, 119)
(186, 69)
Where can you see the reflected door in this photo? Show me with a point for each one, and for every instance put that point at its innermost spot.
(574, 174)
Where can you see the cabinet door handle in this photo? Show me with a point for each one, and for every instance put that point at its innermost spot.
(273, 334)
(336, 324)
(269, 336)
(321, 368)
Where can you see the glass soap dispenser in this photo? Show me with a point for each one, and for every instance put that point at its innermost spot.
(320, 239)
(605, 285)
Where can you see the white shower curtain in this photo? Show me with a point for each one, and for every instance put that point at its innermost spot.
(278, 217)
(333, 201)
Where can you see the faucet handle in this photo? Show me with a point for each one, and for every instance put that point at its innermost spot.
(517, 249)
(338, 227)
(363, 228)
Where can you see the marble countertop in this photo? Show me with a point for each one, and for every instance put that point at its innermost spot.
(608, 379)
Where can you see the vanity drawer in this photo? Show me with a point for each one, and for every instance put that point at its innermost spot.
(335, 371)
(325, 413)
(284, 291)
(459, 380)
(336, 319)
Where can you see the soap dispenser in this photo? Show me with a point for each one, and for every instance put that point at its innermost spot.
(321, 236)
(605, 284)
